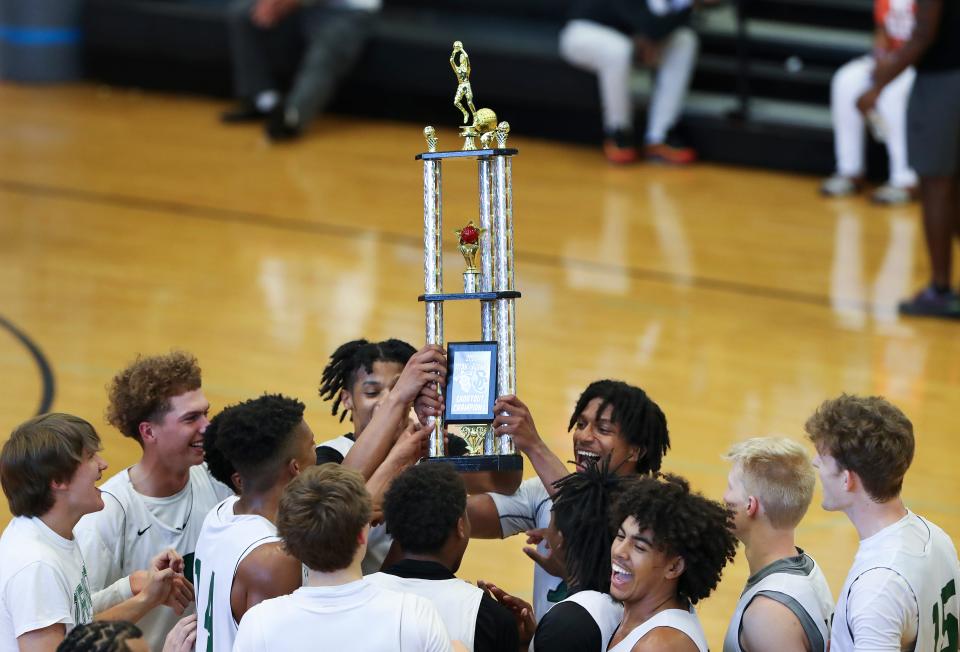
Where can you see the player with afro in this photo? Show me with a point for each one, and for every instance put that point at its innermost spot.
(668, 554)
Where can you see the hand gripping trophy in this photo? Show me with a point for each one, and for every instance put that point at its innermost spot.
(479, 371)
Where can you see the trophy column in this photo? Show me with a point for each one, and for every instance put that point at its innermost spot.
(503, 278)
(433, 275)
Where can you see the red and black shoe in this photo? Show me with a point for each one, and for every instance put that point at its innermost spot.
(618, 147)
(671, 151)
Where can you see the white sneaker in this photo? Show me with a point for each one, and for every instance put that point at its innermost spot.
(839, 186)
(891, 195)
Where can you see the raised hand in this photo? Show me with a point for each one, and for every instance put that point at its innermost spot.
(183, 635)
(548, 562)
(513, 418)
(427, 367)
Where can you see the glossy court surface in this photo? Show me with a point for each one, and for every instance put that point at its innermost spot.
(737, 298)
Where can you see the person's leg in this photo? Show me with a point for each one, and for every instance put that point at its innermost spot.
(252, 73)
(849, 82)
(938, 195)
(677, 59)
(335, 41)
(609, 54)
(892, 107)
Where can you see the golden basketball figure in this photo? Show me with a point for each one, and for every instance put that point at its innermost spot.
(461, 69)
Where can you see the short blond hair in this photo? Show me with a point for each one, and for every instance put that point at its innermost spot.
(778, 472)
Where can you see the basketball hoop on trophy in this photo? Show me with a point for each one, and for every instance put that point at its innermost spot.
(479, 371)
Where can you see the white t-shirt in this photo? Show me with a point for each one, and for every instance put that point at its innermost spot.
(378, 541)
(798, 584)
(684, 621)
(225, 541)
(355, 616)
(527, 509)
(900, 591)
(457, 601)
(43, 581)
(128, 533)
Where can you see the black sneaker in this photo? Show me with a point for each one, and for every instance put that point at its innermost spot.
(243, 111)
(283, 124)
(931, 302)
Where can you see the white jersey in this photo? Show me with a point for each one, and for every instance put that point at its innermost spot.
(798, 584)
(355, 616)
(225, 540)
(378, 542)
(43, 581)
(127, 534)
(527, 509)
(685, 621)
(457, 601)
(912, 556)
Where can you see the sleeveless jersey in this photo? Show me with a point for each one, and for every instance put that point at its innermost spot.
(225, 540)
(924, 556)
(685, 621)
(896, 18)
(378, 542)
(457, 601)
(125, 535)
(798, 584)
(604, 610)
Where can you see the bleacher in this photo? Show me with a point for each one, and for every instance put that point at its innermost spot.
(759, 96)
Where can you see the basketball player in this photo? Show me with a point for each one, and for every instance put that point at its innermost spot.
(900, 593)
(324, 521)
(48, 469)
(425, 513)
(580, 534)
(159, 502)
(612, 420)
(376, 383)
(239, 560)
(786, 604)
(668, 554)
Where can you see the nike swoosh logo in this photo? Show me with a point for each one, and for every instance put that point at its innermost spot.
(140, 532)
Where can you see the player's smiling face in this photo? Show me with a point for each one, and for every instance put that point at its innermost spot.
(178, 436)
(81, 492)
(368, 391)
(596, 436)
(639, 569)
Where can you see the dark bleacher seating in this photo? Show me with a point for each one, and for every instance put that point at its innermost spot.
(793, 48)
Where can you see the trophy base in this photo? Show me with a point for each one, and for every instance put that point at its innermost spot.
(474, 463)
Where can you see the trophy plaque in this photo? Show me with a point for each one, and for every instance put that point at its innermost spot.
(479, 371)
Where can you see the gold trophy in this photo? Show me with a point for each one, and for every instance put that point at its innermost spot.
(484, 120)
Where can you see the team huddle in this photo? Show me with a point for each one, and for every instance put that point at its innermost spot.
(241, 533)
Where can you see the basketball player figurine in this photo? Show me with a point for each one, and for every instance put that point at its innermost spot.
(461, 69)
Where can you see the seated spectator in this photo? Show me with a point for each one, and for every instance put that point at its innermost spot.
(668, 554)
(49, 468)
(894, 23)
(425, 513)
(324, 521)
(786, 604)
(334, 34)
(608, 37)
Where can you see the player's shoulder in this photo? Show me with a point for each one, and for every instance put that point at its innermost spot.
(663, 638)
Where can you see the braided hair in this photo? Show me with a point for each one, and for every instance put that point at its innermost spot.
(341, 372)
(641, 421)
(100, 636)
(581, 513)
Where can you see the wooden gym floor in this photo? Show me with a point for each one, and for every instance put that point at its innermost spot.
(738, 298)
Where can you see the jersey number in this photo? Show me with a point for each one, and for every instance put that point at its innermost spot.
(208, 613)
(945, 624)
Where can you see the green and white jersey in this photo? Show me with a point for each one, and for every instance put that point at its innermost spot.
(43, 581)
(225, 540)
(798, 584)
(901, 592)
(132, 529)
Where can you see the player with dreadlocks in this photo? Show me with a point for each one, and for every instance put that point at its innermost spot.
(579, 537)
(105, 636)
(668, 554)
(611, 420)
